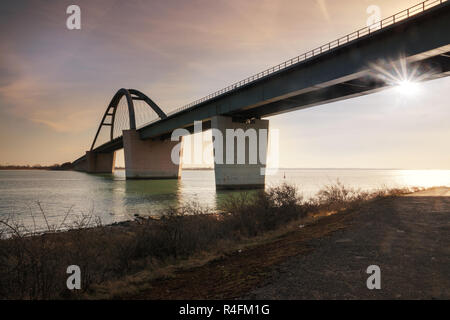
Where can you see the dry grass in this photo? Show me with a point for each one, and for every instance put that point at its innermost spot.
(33, 265)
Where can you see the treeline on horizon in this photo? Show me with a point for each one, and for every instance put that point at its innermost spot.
(56, 166)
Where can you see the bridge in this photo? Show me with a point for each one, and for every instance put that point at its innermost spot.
(412, 43)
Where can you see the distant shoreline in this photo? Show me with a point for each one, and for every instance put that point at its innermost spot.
(59, 167)
(30, 169)
(52, 168)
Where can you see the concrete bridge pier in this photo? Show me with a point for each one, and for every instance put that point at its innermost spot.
(149, 159)
(100, 162)
(241, 163)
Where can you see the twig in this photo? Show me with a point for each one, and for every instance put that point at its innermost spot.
(65, 217)
(45, 217)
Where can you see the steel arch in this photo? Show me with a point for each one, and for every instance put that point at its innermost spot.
(130, 94)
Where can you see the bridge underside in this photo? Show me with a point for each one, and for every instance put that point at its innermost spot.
(342, 90)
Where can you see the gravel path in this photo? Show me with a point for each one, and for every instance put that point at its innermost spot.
(407, 237)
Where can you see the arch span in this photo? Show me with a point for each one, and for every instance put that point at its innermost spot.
(109, 116)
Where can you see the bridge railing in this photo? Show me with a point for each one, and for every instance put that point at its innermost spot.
(398, 17)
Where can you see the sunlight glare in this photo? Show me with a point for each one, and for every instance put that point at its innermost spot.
(401, 76)
(407, 87)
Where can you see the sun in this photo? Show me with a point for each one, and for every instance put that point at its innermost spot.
(402, 76)
(407, 87)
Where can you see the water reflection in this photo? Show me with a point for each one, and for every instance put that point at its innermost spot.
(151, 196)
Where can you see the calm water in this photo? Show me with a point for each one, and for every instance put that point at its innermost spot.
(114, 199)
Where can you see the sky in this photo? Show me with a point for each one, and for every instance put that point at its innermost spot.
(56, 83)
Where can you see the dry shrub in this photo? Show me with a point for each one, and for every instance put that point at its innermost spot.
(249, 214)
(337, 196)
(178, 233)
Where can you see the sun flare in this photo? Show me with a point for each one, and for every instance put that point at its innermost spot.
(402, 76)
(407, 87)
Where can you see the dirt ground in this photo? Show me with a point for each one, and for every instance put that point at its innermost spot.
(407, 237)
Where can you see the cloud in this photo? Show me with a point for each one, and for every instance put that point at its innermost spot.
(47, 103)
(63, 122)
(324, 9)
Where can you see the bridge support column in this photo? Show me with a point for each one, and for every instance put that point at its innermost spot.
(149, 159)
(240, 150)
(100, 162)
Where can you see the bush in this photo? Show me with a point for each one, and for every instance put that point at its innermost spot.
(250, 214)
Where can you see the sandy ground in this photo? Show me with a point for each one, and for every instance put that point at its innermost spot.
(407, 237)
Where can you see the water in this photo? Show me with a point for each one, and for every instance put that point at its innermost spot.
(113, 199)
